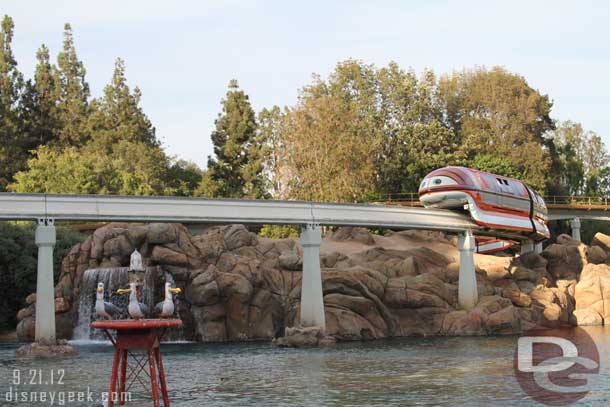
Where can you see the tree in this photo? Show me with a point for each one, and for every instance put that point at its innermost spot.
(74, 93)
(237, 167)
(39, 104)
(11, 88)
(583, 160)
(329, 156)
(273, 151)
(184, 177)
(395, 117)
(497, 112)
(495, 165)
(117, 116)
(127, 169)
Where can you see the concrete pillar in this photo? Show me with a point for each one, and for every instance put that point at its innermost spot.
(527, 246)
(45, 293)
(312, 301)
(467, 287)
(538, 247)
(575, 225)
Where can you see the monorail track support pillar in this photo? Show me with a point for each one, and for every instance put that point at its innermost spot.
(45, 294)
(312, 299)
(467, 286)
(575, 225)
(527, 246)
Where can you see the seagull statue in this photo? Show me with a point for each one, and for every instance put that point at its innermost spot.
(136, 309)
(104, 309)
(165, 309)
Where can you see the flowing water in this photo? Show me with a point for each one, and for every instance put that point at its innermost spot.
(113, 279)
(407, 372)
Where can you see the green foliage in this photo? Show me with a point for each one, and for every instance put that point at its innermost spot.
(497, 112)
(73, 103)
(123, 156)
(18, 264)
(184, 177)
(279, 231)
(124, 168)
(273, 151)
(496, 165)
(237, 168)
(329, 157)
(11, 88)
(366, 131)
(208, 187)
(117, 116)
(583, 161)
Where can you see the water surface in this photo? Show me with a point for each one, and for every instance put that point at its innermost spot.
(406, 372)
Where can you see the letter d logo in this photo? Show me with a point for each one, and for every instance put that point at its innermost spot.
(555, 367)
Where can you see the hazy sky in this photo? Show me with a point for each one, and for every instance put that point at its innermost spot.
(183, 54)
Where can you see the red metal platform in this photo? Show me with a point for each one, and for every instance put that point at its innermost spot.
(131, 335)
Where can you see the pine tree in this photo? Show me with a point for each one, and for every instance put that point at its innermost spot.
(237, 169)
(39, 104)
(117, 116)
(74, 95)
(11, 88)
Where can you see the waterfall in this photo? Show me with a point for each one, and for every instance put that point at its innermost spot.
(113, 279)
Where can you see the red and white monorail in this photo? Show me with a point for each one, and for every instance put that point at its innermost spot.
(494, 201)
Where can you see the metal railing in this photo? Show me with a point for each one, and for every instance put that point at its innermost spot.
(588, 202)
(402, 198)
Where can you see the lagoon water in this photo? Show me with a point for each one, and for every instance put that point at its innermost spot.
(407, 372)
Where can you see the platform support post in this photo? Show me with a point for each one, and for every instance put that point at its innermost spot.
(538, 248)
(162, 377)
(312, 300)
(575, 225)
(112, 396)
(153, 378)
(45, 294)
(123, 377)
(527, 246)
(467, 285)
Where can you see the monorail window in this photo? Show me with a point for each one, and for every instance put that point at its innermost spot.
(504, 187)
(518, 188)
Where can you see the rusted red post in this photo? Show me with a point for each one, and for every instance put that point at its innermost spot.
(153, 379)
(113, 378)
(123, 377)
(162, 376)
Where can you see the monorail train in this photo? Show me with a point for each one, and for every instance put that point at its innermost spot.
(494, 201)
(488, 245)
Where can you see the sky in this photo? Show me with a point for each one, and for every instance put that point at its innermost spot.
(182, 54)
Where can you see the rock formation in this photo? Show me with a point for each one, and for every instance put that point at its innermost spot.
(239, 286)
